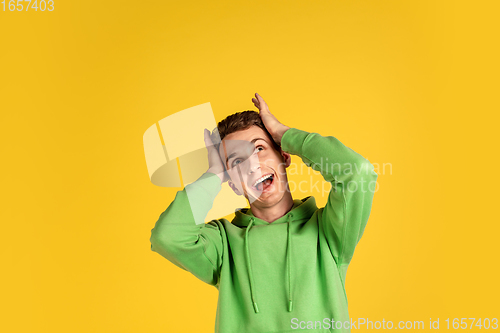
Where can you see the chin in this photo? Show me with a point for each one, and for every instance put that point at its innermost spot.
(268, 200)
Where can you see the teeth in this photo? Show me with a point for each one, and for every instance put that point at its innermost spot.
(261, 179)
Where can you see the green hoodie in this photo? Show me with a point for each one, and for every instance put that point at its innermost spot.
(284, 276)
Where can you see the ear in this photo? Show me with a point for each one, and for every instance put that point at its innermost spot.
(235, 189)
(287, 159)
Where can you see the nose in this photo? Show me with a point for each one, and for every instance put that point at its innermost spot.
(254, 163)
(254, 168)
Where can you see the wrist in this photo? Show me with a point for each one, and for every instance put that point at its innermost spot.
(218, 174)
(279, 133)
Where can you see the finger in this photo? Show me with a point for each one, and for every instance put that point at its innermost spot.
(262, 103)
(260, 100)
(208, 140)
(256, 103)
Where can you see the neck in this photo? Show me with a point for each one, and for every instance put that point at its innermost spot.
(271, 214)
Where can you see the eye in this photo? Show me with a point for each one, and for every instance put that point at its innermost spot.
(259, 147)
(236, 162)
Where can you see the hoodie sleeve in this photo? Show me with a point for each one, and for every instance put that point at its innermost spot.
(353, 180)
(196, 248)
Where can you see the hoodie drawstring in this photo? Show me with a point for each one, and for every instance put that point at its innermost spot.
(249, 267)
(288, 260)
(289, 264)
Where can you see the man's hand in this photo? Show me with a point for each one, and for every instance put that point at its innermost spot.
(273, 126)
(215, 164)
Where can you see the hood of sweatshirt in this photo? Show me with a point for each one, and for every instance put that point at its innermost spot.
(301, 210)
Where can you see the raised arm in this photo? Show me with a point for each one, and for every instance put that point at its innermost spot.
(353, 180)
(352, 177)
(180, 234)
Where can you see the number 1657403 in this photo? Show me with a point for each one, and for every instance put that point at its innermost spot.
(25, 5)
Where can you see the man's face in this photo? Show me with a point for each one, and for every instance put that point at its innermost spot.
(249, 156)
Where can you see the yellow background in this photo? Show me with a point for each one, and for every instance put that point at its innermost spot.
(411, 83)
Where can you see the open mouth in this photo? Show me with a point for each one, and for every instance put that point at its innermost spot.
(264, 182)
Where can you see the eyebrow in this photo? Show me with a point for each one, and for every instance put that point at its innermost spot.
(253, 141)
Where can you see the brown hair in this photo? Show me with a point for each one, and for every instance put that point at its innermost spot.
(240, 121)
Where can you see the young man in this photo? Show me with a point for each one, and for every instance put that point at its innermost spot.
(279, 266)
